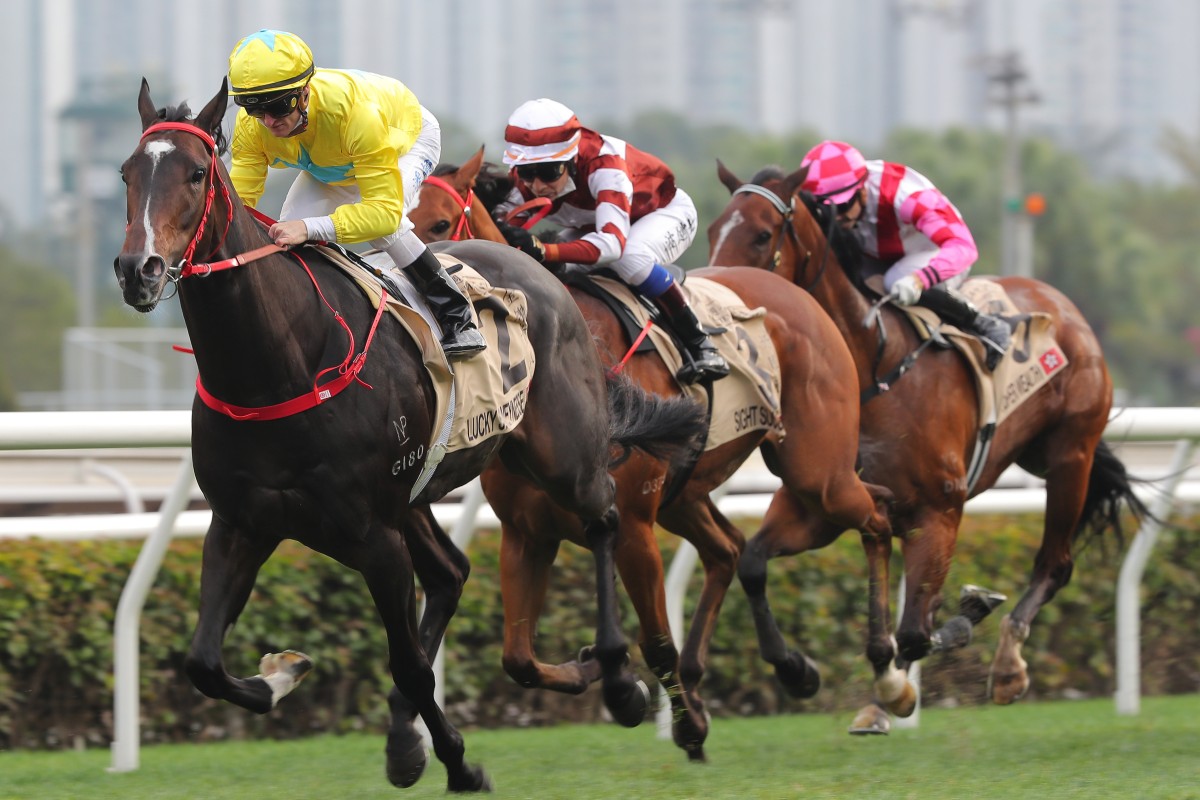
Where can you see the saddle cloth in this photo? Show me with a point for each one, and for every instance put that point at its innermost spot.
(481, 396)
(747, 399)
(1030, 362)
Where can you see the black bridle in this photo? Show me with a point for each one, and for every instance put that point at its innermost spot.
(788, 230)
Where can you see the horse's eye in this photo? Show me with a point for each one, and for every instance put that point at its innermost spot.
(762, 239)
(440, 227)
(199, 174)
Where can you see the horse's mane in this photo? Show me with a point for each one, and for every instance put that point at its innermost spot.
(492, 185)
(845, 246)
(182, 113)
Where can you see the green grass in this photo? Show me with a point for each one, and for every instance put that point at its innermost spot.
(1044, 751)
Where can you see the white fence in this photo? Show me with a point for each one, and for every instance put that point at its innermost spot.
(124, 429)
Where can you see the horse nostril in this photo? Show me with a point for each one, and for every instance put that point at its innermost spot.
(152, 268)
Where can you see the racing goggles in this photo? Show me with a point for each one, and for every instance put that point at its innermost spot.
(546, 171)
(277, 106)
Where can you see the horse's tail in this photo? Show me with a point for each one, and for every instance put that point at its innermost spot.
(665, 427)
(1109, 486)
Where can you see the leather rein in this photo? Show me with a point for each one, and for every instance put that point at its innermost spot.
(350, 366)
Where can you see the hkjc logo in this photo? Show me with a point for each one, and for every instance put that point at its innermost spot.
(1051, 360)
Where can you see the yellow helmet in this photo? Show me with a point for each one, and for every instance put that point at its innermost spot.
(267, 63)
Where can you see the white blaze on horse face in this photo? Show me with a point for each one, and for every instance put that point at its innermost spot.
(735, 219)
(156, 150)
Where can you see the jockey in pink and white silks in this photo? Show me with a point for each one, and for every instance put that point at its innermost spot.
(619, 208)
(901, 219)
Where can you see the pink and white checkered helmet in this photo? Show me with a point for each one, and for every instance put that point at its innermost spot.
(835, 171)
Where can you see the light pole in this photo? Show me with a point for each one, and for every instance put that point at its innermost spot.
(1006, 72)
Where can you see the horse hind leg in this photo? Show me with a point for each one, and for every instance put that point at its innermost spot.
(229, 567)
(625, 695)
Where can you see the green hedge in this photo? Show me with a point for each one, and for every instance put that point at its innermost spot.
(58, 600)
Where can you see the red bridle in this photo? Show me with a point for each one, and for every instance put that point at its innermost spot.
(351, 365)
(464, 219)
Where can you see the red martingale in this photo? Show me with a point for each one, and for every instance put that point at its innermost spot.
(351, 365)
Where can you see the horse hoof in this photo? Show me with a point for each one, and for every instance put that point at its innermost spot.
(405, 768)
(628, 702)
(955, 634)
(689, 732)
(1008, 688)
(904, 705)
(799, 675)
(470, 779)
(282, 672)
(976, 602)
(870, 721)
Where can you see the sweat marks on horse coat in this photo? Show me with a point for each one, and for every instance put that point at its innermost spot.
(482, 396)
(748, 398)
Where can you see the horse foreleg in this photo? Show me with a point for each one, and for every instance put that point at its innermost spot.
(229, 567)
(525, 564)
(442, 570)
(788, 528)
(384, 561)
(894, 692)
(625, 695)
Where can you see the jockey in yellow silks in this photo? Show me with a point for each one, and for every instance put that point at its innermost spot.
(361, 142)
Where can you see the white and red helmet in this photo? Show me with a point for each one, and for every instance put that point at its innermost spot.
(541, 130)
(835, 171)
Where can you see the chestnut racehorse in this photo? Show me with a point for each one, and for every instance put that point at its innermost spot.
(816, 461)
(334, 467)
(919, 429)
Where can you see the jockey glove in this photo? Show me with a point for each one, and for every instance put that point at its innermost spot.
(908, 290)
(524, 241)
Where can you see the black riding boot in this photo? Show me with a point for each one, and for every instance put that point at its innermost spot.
(450, 306)
(960, 312)
(702, 361)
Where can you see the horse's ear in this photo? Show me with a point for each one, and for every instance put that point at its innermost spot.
(469, 171)
(146, 107)
(209, 119)
(796, 180)
(731, 181)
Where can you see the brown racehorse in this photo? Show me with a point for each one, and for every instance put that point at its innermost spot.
(917, 437)
(816, 461)
(335, 466)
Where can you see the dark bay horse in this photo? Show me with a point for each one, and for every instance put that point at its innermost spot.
(816, 461)
(334, 466)
(918, 436)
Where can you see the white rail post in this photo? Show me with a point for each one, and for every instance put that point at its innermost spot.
(1128, 695)
(126, 700)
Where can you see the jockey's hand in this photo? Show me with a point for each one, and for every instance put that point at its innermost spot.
(289, 233)
(524, 241)
(907, 290)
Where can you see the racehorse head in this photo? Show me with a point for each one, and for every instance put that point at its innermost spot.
(449, 208)
(170, 190)
(772, 224)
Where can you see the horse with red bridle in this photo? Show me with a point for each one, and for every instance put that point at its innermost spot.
(816, 461)
(920, 425)
(315, 413)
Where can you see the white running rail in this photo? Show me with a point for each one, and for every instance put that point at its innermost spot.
(150, 429)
